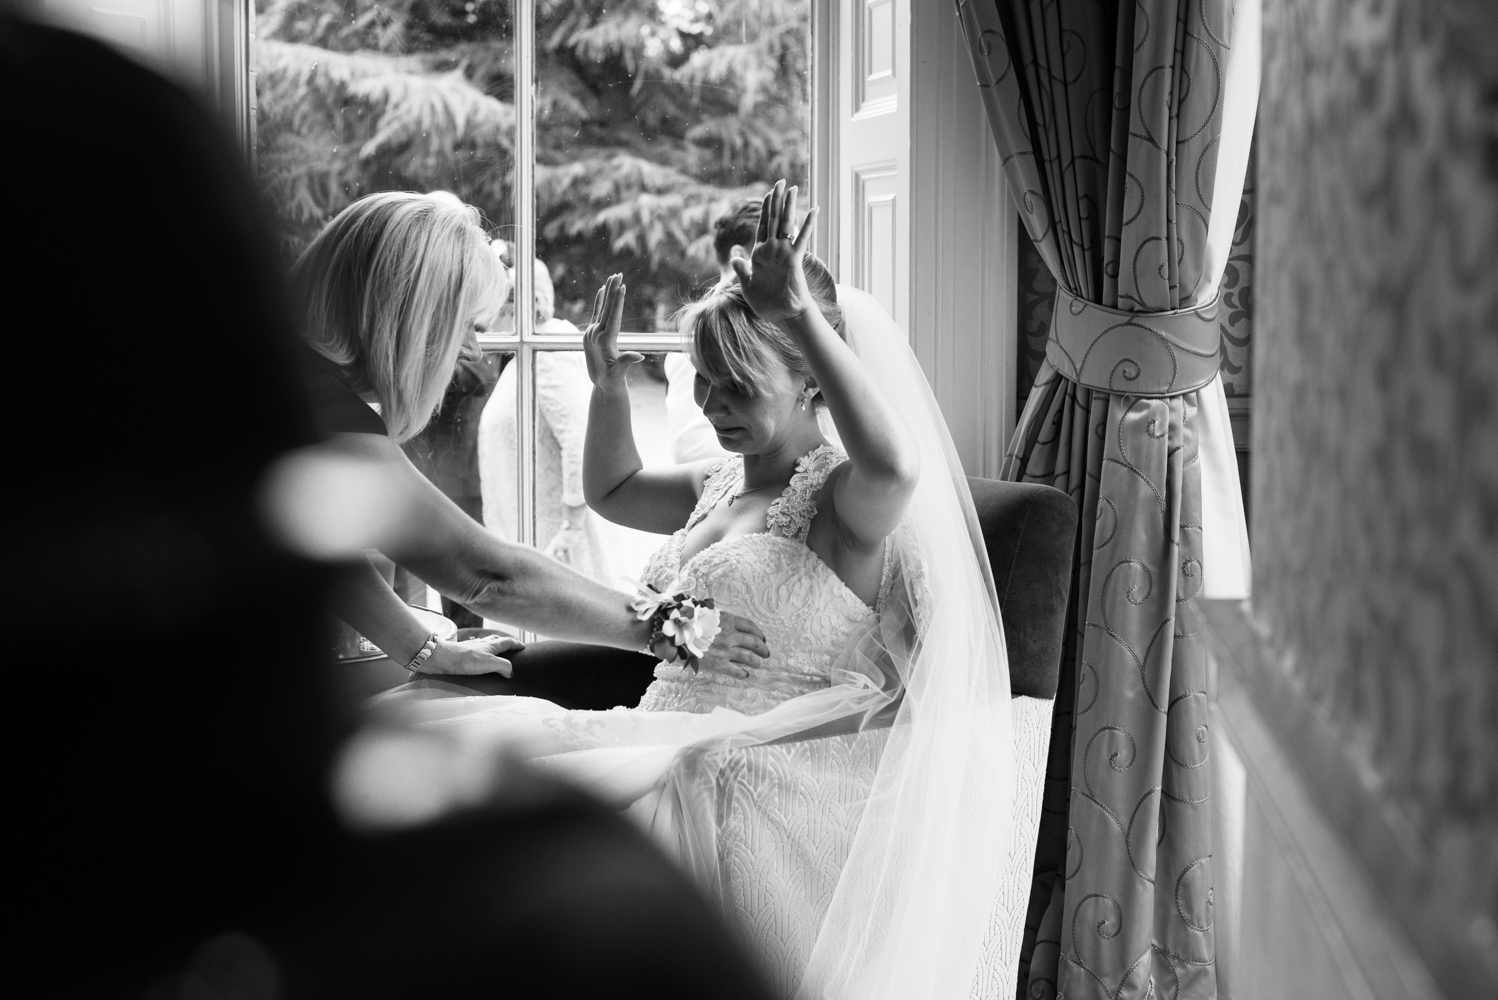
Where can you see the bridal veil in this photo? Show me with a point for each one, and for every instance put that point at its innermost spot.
(911, 908)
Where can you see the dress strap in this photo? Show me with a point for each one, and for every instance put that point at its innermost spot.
(791, 514)
(721, 477)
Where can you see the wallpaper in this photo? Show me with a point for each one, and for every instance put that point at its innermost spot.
(1375, 382)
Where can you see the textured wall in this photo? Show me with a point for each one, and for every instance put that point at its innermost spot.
(1375, 442)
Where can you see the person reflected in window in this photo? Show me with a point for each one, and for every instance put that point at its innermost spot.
(692, 437)
(566, 530)
(391, 290)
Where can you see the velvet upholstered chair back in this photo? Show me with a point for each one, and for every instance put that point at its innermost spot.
(1030, 531)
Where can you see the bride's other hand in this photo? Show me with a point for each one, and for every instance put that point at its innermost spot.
(739, 646)
(773, 280)
(470, 657)
(607, 366)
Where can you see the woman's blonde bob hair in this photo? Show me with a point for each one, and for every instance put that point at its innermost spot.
(389, 289)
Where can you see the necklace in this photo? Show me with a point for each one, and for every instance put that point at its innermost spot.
(743, 493)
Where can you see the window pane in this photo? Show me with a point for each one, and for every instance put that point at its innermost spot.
(449, 450)
(613, 554)
(358, 96)
(654, 118)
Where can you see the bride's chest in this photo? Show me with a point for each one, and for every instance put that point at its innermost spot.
(777, 582)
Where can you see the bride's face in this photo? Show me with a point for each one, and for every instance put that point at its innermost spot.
(754, 424)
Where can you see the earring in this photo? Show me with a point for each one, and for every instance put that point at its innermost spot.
(805, 398)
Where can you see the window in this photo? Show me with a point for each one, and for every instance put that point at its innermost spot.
(643, 121)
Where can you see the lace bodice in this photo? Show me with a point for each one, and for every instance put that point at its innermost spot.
(806, 612)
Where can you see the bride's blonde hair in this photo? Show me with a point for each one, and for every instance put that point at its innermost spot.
(387, 290)
(730, 345)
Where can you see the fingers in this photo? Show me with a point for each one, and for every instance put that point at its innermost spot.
(741, 268)
(803, 237)
(505, 644)
(745, 625)
(745, 657)
(616, 313)
(787, 212)
(598, 304)
(762, 235)
(503, 667)
(631, 358)
(753, 644)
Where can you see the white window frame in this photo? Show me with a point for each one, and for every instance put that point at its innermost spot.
(960, 235)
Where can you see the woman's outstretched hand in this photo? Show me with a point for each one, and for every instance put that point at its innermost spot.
(772, 278)
(607, 366)
(469, 657)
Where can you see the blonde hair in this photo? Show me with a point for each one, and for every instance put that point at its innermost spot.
(732, 346)
(387, 290)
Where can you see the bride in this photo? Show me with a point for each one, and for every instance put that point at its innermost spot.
(844, 528)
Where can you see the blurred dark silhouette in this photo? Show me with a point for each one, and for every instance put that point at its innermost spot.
(168, 733)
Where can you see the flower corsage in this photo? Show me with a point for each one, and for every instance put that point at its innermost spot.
(686, 624)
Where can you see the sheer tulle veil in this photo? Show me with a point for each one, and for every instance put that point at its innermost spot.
(911, 909)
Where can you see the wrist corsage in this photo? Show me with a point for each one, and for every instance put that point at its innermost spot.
(688, 625)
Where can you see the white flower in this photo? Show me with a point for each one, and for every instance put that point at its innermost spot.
(693, 627)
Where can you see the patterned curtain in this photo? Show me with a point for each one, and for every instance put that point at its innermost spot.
(1108, 116)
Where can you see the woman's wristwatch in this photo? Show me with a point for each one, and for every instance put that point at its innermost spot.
(423, 654)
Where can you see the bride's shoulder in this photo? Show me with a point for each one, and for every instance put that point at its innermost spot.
(792, 513)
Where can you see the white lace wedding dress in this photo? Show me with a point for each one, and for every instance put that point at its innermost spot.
(806, 612)
(850, 802)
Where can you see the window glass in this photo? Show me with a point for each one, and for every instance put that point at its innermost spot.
(451, 448)
(653, 119)
(356, 96)
(564, 526)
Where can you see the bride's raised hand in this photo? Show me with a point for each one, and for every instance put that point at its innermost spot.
(607, 365)
(773, 279)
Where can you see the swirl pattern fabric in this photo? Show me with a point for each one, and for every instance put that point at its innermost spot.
(1108, 116)
(1154, 354)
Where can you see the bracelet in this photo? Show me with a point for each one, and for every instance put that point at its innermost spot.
(423, 654)
(686, 623)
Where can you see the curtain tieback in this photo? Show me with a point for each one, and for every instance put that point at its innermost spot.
(1134, 353)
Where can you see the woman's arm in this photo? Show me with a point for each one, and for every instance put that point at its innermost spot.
(615, 482)
(510, 583)
(871, 491)
(364, 600)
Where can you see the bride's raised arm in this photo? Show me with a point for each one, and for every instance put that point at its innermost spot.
(615, 481)
(871, 491)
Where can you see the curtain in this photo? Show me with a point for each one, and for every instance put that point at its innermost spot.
(1124, 130)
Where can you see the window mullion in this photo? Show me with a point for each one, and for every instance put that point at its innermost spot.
(525, 256)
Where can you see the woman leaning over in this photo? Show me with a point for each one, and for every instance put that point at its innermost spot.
(391, 289)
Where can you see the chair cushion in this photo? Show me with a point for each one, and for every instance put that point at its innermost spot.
(1030, 531)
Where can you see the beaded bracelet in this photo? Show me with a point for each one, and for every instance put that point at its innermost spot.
(423, 654)
(688, 625)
